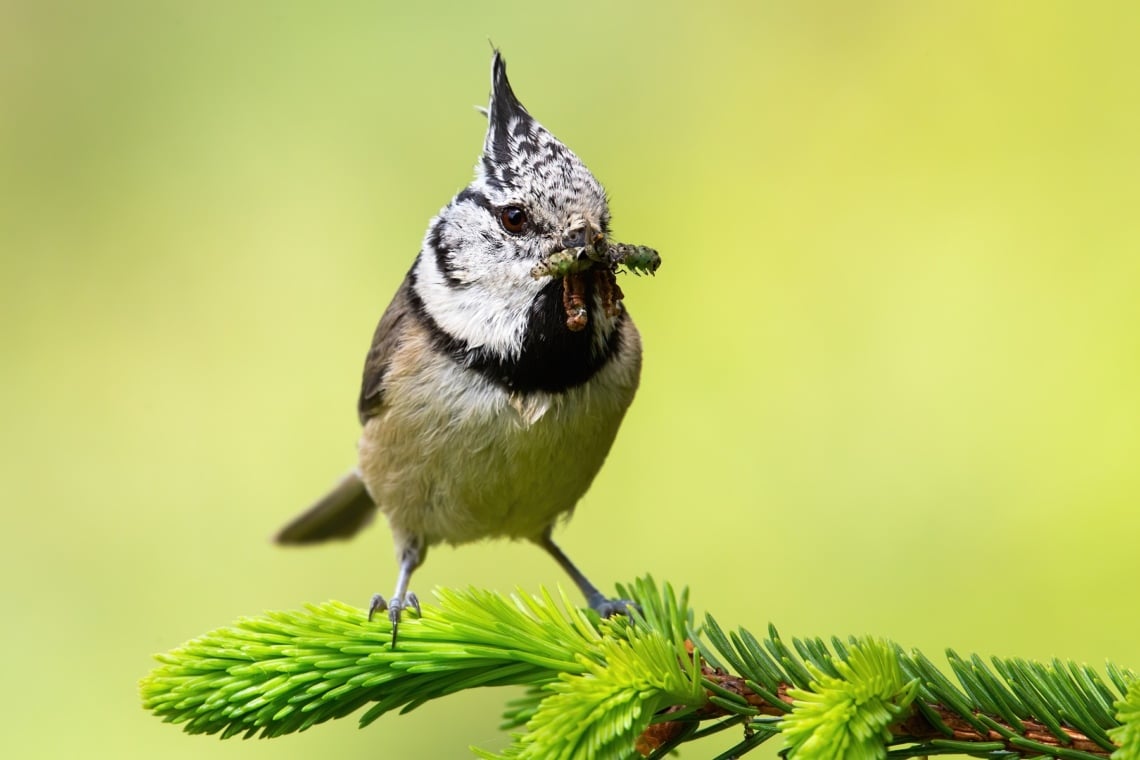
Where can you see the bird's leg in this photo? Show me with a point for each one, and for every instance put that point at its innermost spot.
(596, 599)
(411, 556)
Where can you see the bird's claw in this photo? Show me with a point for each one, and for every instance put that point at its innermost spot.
(395, 609)
(378, 604)
(607, 608)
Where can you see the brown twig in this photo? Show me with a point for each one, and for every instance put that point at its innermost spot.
(915, 727)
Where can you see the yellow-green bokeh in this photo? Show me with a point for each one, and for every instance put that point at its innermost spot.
(892, 374)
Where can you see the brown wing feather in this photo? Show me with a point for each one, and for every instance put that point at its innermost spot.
(384, 342)
(348, 507)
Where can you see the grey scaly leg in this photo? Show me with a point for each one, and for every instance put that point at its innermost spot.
(411, 556)
(596, 599)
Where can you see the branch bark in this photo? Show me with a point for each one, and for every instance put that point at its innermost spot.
(914, 728)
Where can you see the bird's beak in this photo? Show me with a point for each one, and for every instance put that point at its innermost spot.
(586, 239)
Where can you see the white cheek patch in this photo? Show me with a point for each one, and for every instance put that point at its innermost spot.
(489, 312)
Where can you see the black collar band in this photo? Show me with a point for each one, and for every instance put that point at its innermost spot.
(553, 358)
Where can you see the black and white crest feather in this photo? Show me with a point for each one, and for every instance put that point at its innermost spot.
(521, 156)
(472, 284)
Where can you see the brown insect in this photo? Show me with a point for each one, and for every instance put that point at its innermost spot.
(574, 265)
(574, 301)
(605, 282)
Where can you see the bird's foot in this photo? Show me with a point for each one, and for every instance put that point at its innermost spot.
(607, 608)
(395, 609)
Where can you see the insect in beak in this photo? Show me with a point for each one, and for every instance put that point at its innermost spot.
(596, 250)
(584, 241)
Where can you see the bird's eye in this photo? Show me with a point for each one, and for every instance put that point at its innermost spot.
(513, 219)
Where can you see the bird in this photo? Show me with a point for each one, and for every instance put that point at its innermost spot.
(493, 388)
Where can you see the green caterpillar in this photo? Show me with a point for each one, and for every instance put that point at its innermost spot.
(633, 258)
(563, 263)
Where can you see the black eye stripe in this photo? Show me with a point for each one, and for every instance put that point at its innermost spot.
(534, 224)
(475, 196)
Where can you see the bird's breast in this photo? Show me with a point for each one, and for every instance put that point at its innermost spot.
(456, 457)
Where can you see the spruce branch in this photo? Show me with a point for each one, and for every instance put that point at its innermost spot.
(1127, 734)
(625, 688)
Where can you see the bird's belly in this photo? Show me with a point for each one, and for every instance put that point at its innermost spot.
(456, 461)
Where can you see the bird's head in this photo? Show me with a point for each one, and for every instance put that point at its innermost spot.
(531, 197)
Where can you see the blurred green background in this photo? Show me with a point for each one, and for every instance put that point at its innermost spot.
(892, 374)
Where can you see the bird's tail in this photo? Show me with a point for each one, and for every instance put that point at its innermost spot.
(341, 513)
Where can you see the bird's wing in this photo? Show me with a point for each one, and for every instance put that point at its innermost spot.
(384, 343)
